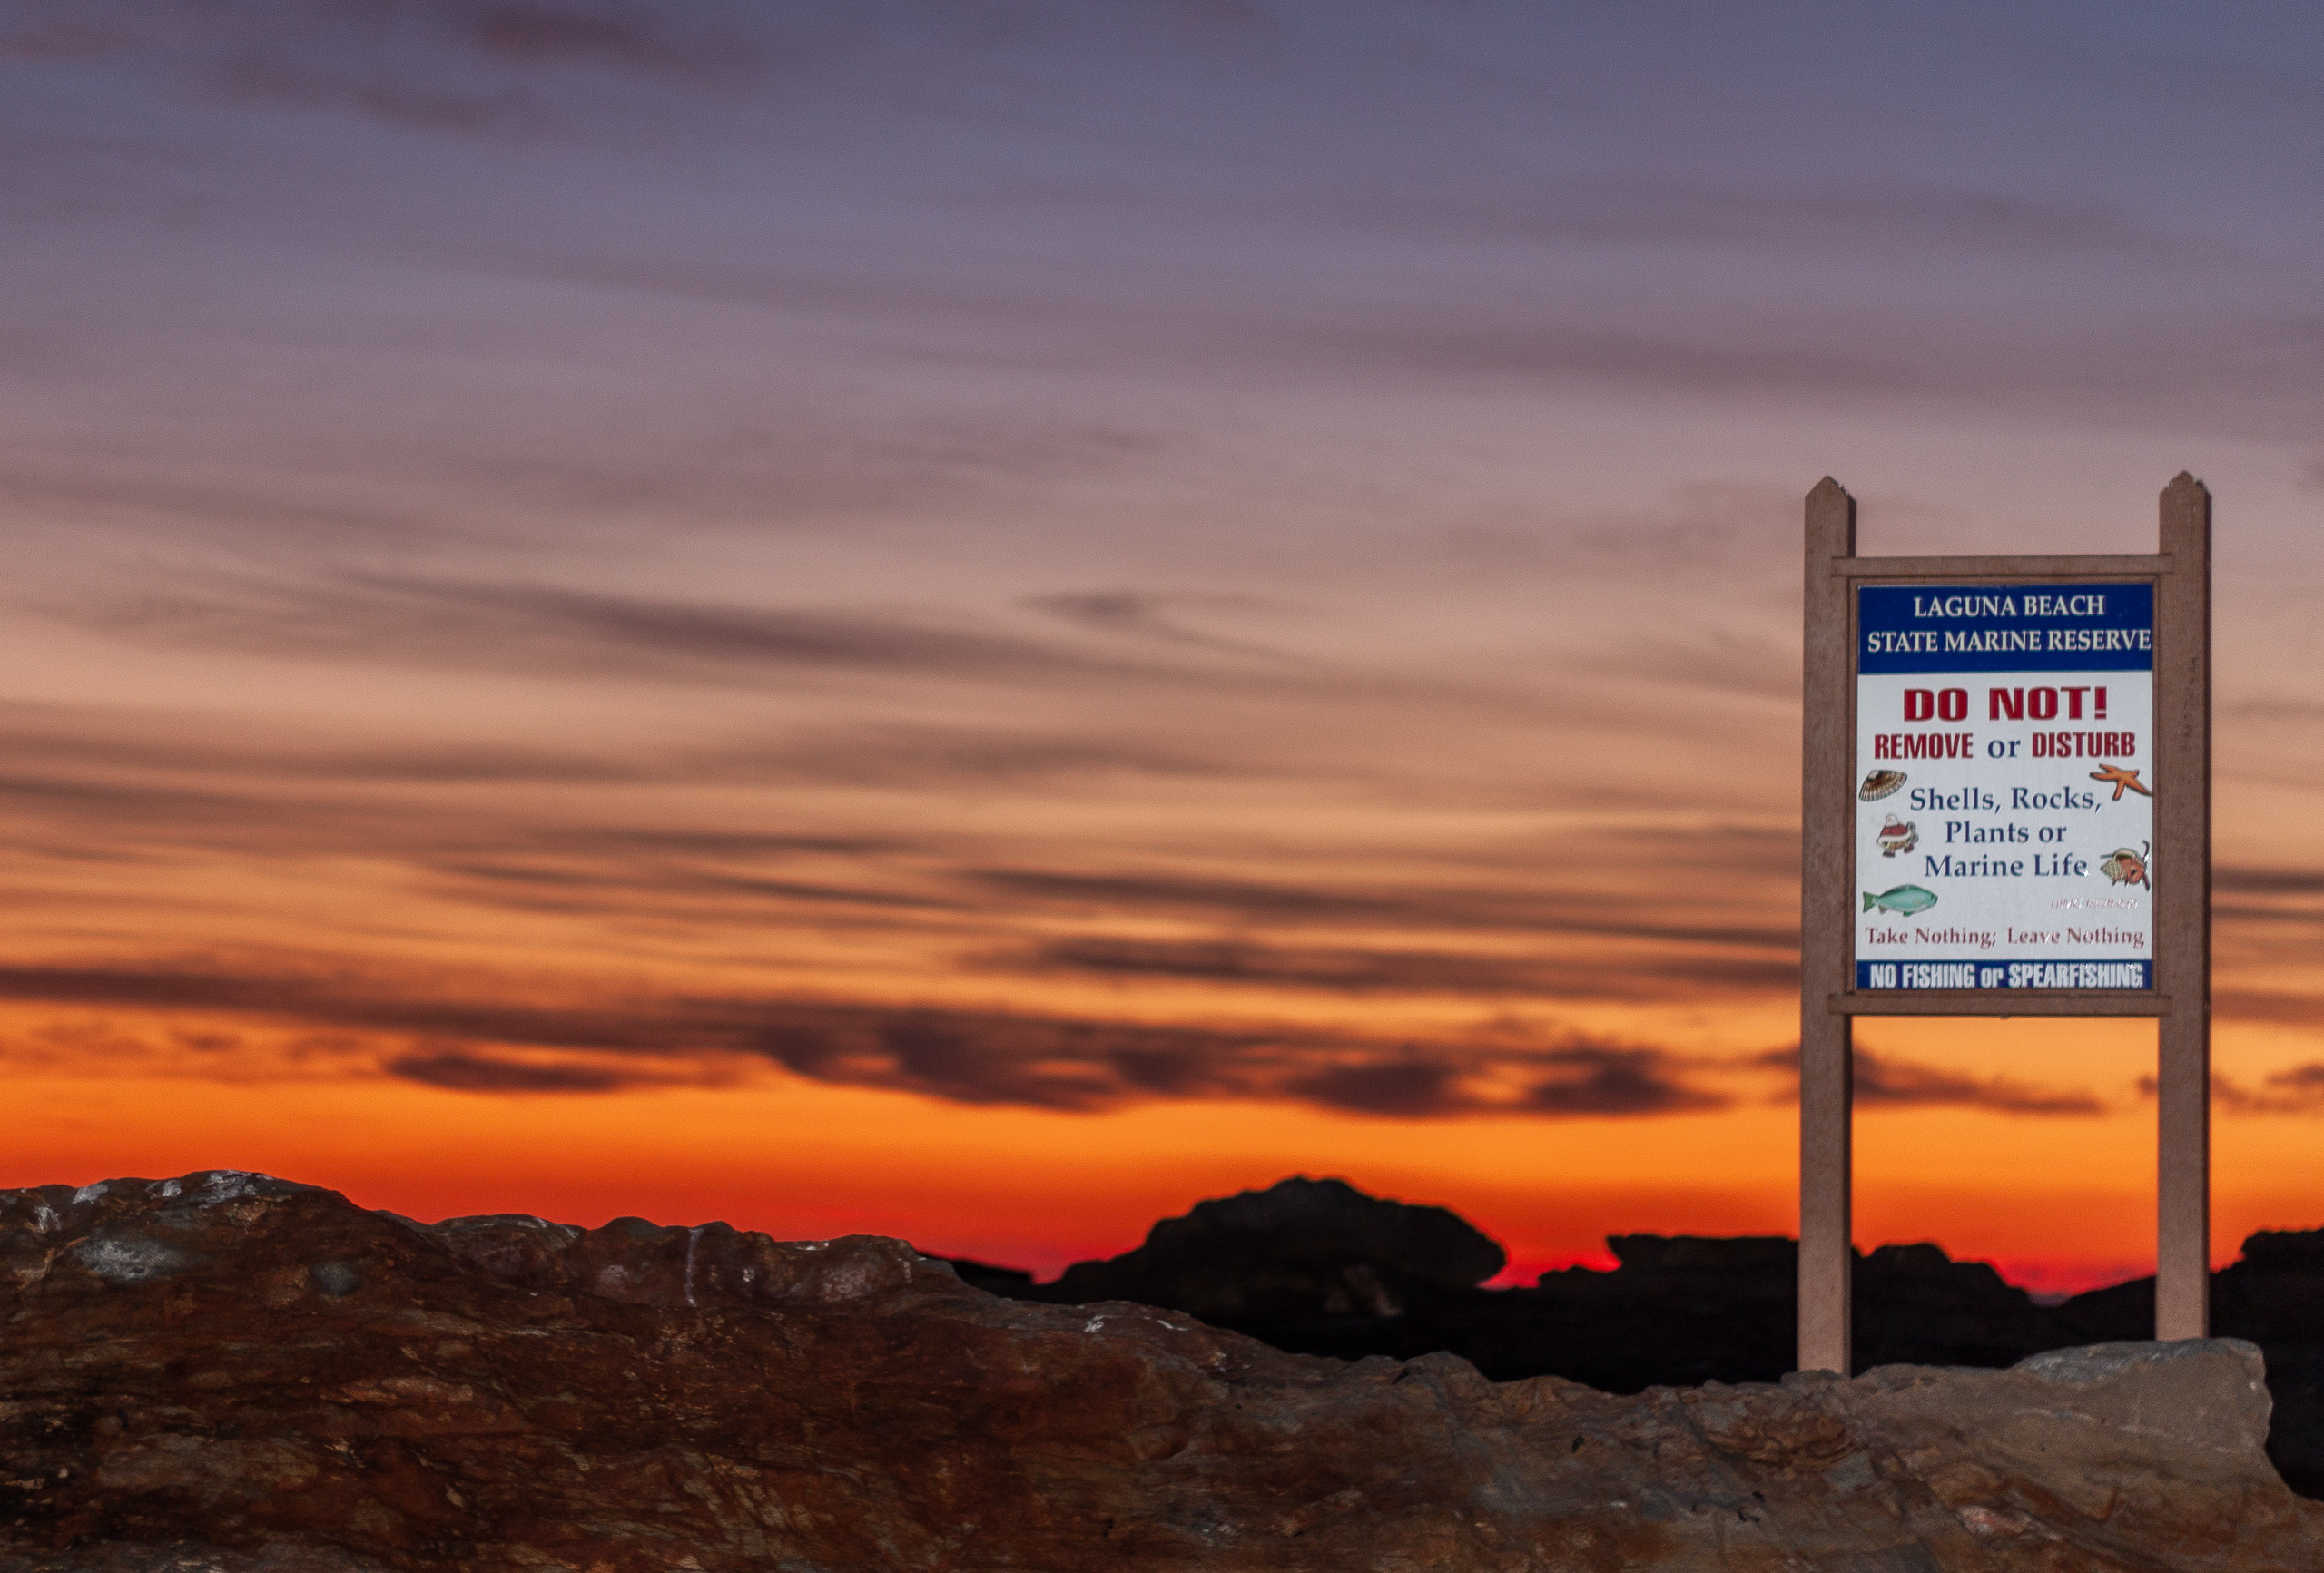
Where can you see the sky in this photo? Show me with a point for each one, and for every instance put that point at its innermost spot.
(977, 621)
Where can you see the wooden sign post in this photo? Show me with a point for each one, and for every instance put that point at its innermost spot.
(2005, 811)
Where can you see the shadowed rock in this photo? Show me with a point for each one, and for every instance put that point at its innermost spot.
(1302, 1248)
(1318, 1267)
(503, 1393)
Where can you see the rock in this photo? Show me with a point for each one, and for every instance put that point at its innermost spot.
(2280, 1251)
(1678, 1310)
(294, 1384)
(1687, 1309)
(1719, 1258)
(191, 1557)
(1013, 1282)
(1300, 1249)
(2274, 1296)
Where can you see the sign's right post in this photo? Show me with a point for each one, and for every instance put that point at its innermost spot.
(2183, 899)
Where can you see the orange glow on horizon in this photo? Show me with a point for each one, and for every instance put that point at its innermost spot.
(1040, 1190)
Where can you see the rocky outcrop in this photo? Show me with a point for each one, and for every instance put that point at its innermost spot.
(1300, 1249)
(1317, 1267)
(1678, 1310)
(1686, 1309)
(234, 1373)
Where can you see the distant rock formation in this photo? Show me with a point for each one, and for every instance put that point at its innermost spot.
(1300, 1249)
(231, 1375)
(1318, 1267)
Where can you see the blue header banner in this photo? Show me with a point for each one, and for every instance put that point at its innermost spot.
(2005, 628)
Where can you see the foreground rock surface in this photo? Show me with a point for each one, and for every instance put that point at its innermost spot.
(230, 1374)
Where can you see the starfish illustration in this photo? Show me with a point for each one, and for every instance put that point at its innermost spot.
(2120, 778)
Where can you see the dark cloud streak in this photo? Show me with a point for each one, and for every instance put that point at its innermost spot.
(1884, 1081)
(460, 1071)
(531, 627)
(975, 1058)
(2296, 1090)
(1881, 1081)
(1506, 907)
(1368, 971)
(1147, 614)
(1629, 1082)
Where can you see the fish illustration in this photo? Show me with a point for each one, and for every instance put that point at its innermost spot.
(2120, 778)
(1905, 900)
(1898, 836)
(1879, 785)
(2126, 867)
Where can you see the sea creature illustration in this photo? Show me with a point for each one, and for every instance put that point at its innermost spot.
(2126, 867)
(2120, 778)
(1905, 900)
(1879, 785)
(1898, 836)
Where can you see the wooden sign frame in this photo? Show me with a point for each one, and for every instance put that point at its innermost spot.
(1829, 1001)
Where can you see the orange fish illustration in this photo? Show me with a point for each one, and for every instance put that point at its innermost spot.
(2120, 778)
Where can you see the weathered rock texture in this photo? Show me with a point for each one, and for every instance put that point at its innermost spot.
(2274, 1297)
(229, 1372)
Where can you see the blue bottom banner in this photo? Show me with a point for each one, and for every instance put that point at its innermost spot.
(2004, 974)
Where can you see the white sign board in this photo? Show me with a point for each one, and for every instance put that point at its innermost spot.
(2004, 799)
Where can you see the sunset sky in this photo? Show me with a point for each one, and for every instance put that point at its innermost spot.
(979, 620)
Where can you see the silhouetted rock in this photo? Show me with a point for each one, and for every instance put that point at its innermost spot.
(1702, 1258)
(1301, 1249)
(1009, 1281)
(1677, 1309)
(236, 1375)
(2277, 1251)
(1916, 1304)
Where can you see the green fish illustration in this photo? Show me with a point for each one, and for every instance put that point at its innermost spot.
(1905, 900)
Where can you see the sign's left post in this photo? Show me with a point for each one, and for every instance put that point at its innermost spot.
(1828, 715)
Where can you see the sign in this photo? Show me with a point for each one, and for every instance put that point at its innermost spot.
(2004, 811)
(2005, 782)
